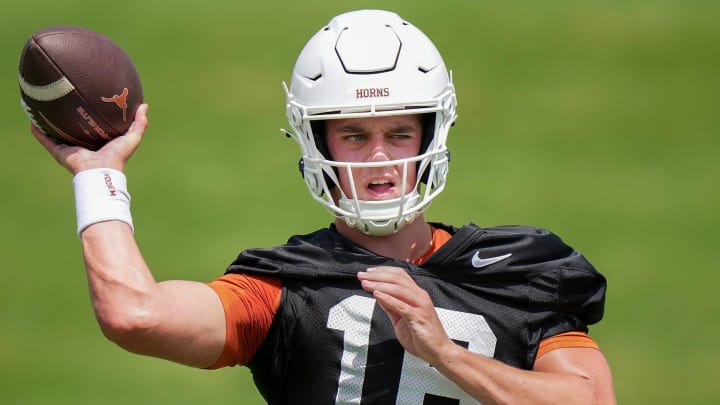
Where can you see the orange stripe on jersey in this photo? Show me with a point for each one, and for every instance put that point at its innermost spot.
(565, 340)
(250, 304)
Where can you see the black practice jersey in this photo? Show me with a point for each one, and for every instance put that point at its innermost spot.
(498, 292)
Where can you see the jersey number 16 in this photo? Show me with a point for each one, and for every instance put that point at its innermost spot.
(353, 316)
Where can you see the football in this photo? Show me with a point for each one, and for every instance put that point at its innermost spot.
(78, 86)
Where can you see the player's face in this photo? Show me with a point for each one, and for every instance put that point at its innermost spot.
(376, 139)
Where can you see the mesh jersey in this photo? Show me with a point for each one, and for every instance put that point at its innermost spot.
(330, 341)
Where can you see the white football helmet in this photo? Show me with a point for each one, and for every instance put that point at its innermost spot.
(371, 63)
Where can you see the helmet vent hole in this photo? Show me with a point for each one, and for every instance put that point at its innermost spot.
(314, 78)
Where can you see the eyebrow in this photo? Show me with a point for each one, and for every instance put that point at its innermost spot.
(350, 128)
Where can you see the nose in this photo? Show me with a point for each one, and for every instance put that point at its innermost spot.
(378, 150)
(379, 155)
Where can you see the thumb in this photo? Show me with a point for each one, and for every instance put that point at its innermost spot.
(139, 124)
(126, 144)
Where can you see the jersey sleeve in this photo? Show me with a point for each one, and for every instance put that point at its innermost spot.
(568, 298)
(250, 303)
(565, 292)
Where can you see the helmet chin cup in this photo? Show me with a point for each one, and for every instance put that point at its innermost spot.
(370, 63)
(388, 216)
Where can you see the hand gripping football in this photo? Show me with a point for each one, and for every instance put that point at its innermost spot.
(78, 86)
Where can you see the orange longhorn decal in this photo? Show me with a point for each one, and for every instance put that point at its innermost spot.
(119, 100)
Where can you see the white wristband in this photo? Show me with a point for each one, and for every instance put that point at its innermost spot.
(101, 195)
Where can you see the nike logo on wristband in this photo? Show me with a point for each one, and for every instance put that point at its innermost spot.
(479, 262)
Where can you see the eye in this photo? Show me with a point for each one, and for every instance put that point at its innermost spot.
(401, 136)
(355, 137)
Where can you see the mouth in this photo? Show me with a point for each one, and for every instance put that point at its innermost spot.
(381, 188)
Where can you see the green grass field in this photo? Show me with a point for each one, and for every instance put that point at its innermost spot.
(597, 120)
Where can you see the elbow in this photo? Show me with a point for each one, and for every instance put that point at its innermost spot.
(604, 397)
(126, 327)
(597, 393)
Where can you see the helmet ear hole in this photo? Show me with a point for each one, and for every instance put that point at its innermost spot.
(312, 183)
(301, 167)
(311, 178)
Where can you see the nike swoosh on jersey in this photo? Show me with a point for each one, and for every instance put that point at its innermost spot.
(479, 262)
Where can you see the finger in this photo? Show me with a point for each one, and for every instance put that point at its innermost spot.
(118, 151)
(46, 141)
(131, 139)
(414, 297)
(395, 282)
(395, 308)
(382, 299)
(138, 127)
(140, 123)
(385, 273)
(389, 302)
(392, 280)
(60, 152)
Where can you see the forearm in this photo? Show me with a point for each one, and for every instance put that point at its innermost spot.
(493, 382)
(121, 285)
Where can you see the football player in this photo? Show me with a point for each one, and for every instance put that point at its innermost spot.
(381, 306)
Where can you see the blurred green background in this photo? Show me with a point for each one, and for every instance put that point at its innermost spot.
(597, 120)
